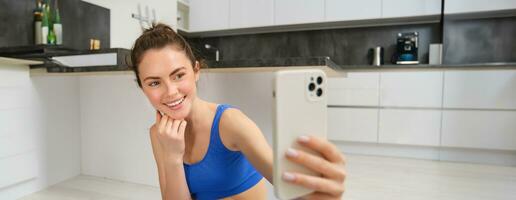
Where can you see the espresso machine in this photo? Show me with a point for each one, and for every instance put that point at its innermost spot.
(406, 48)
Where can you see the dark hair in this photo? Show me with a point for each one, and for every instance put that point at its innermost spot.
(156, 37)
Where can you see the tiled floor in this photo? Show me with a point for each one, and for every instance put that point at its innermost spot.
(378, 178)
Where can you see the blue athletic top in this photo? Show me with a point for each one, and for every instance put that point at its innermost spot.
(222, 172)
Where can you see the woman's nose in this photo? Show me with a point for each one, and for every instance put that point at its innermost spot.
(171, 89)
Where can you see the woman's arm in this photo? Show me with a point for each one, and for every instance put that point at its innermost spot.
(240, 133)
(167, 139)
(244, 135)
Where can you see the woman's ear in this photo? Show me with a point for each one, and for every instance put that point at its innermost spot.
(197, 70)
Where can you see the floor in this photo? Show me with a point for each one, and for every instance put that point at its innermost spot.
(369, 178)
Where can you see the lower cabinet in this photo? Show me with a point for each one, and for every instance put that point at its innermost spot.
(479, 129)
(410, 127)
(353, 124)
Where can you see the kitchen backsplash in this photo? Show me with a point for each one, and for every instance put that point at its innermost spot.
(479, 40)
(349, 46)
(81, 21)
(465, 41)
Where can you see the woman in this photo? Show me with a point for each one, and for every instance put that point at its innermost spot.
(208, 151)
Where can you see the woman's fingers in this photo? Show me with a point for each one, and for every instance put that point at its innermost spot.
(324, 147)
(317, 164)
(319, 196)
(169, 126)
(321, 185)
(158, 116)
(182, 128)
(162, 124)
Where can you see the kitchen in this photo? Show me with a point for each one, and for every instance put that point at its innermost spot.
(442, 128)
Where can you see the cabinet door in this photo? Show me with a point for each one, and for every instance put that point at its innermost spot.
(251, 13)
(298, 11)
(479, 129)
(409, 8)
(207, 15)
(480, 89)
(343, 10)
(356, 89)
(353, 124)
(465, 6)
(411, 89)
(411, 127)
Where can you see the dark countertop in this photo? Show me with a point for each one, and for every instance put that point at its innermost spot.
(44, 52)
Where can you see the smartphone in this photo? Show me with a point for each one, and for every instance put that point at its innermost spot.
(300, 108)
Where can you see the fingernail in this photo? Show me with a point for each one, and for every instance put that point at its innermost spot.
(288, 176)
(292, 153)
(303, 139)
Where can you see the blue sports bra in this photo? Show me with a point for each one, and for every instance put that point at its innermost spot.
(222, 172)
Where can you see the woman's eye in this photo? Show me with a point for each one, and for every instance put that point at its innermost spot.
(153, 83)
(178, 76)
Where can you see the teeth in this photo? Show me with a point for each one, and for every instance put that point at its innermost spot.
(175, 103)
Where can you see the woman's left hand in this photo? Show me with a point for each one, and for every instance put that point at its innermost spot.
(330, 165)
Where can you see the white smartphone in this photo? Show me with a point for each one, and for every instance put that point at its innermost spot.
(300, 108)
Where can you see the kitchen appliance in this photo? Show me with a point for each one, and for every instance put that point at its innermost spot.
(435, 55)
(407, 46)
(376, 56)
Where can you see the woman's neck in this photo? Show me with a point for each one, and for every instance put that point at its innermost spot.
(198, 115)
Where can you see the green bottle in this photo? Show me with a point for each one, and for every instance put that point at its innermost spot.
(51, 38)
(57, 27)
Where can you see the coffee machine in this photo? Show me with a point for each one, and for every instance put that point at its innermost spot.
(406, 48)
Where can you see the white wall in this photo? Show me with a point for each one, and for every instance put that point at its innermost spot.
(39, 131)
(115, 117)
(124, 28)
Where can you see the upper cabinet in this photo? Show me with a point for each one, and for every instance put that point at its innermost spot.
(210, 15)
(298, 11)
(467, 6)
(341, 10)
(410, 8)
(251, 13)
(207, 15)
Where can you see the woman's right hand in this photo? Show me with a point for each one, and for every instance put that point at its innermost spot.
(167, 138)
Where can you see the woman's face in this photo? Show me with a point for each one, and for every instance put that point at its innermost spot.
(168, 80)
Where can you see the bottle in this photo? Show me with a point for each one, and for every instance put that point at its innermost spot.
(38, 15)
(57, 27)
(44, 25)
(51, 37)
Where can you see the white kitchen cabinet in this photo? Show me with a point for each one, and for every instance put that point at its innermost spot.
(479, 129)
(207, 15)
(467, 6)
(482, 89)
(410, 8)
(411, 89)
(357, 89)
(251, 13)
(343, 10)
(353, 124)
(410, 127)
(298, 11)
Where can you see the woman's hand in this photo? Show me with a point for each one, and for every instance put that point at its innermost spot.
(167, 138)
(331, 166)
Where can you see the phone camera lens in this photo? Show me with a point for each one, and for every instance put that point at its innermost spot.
(311, 87)
(319, 92)
(319, 80)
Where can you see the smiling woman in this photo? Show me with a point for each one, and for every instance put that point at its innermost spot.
(205, 150)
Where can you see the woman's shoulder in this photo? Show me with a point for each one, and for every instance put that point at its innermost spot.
(235, 126)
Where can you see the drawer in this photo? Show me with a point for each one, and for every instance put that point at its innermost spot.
(480, 89)
(353, 124)
(411, 127)
(479, 129)
(411, 89)
(359, 89)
